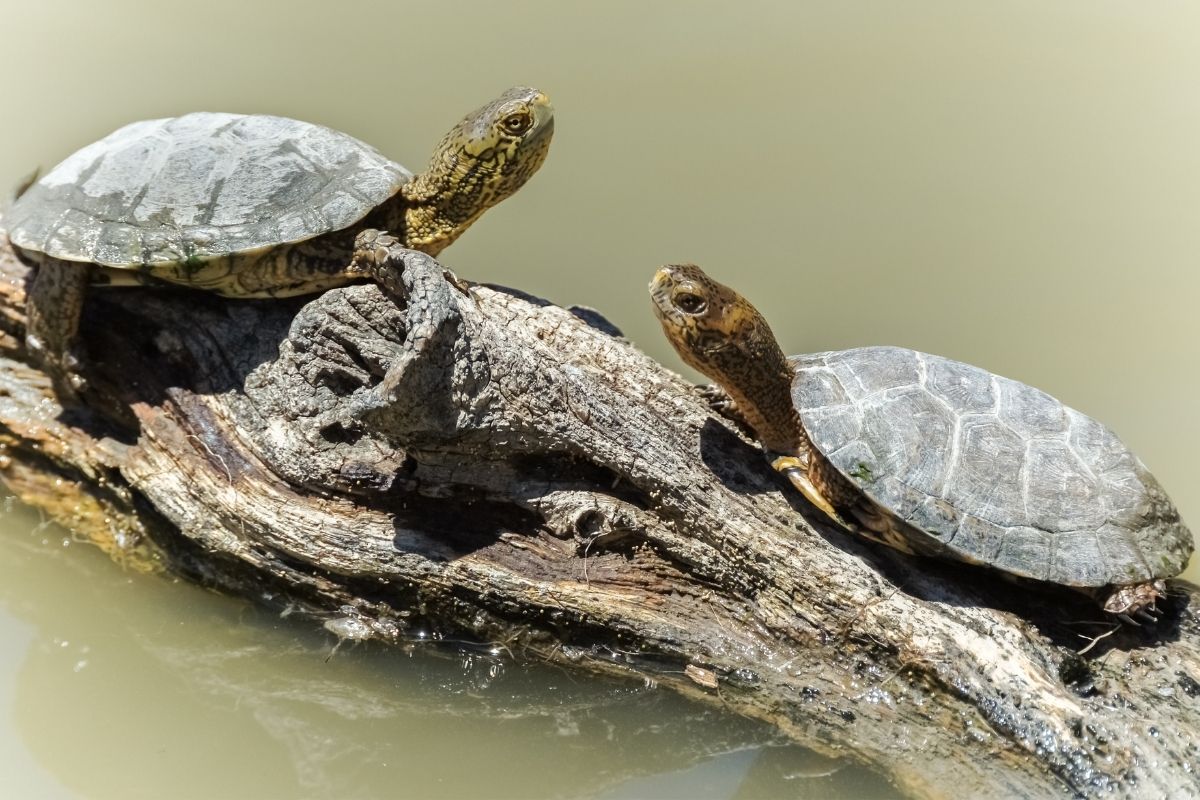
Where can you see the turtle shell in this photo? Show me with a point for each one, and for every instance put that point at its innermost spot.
(204, 185)
(989, 470)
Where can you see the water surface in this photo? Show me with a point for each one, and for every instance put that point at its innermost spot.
(118, 685)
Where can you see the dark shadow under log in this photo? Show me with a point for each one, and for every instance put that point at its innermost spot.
(492, 466)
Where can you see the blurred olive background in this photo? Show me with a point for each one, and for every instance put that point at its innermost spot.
(1014, 185)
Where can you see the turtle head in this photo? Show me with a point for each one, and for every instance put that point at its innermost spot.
(503, 143)
(718, 332)
(710, 325)
(483, 159)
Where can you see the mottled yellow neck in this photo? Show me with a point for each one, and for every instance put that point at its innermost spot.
(719, 332)
(432, 214)
(777, 425)
(424, 217)
(757, 376)
(430, 230)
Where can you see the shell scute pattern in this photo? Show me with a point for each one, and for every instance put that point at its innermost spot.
(989, 469)
(1117, 549)
(116, 244)
(960, 386)
(823, 390)
(910, 432)
(1060, 490)
(1029, 411)
(160, 192)
(978, 541)
(1078, 558)
(1025, 551)
(989, 456)
(864, 378)
(936, 521)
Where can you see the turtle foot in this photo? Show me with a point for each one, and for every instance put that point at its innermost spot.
(1136, 601)
(64, 370)
(720, 402)
(796, 471)
(380, 256)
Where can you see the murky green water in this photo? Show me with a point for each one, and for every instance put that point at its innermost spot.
(1016, 185)
(118, 686)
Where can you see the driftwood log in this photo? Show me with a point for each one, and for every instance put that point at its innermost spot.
(467, 460)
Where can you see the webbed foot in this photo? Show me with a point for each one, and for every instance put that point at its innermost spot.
(383, 258)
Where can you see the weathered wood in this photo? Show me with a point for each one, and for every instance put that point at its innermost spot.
(482, 463)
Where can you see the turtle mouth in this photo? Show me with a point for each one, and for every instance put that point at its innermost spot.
(546, 129)
(543, 115)
(661, 283)
(660, 294)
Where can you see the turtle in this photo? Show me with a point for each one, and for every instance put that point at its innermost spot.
(935, 457)
(250, 206)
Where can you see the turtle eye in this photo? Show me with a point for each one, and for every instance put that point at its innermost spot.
(517, 122)
(689, 303)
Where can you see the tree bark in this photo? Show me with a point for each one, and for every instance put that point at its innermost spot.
(471, 461)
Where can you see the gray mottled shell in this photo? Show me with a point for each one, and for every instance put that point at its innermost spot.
(202, 185)
(990, 470)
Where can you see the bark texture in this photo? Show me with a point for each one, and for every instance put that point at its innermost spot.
(476, 462)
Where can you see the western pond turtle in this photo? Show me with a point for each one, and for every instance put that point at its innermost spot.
(250, 206)
(936, 457)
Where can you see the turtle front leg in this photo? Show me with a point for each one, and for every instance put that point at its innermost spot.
(823, 488)
(796, 470)
(381, 256)
(53, 308)
(373, 258)
(720, 401)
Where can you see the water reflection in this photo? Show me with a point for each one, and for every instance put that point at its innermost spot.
(127, 685)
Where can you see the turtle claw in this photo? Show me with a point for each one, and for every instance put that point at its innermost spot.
(68, 384)
(716, 397)
(63, 370)
(1139, 618)
(370, 248)
(796, 471)
(1149, 615)
(380, 256)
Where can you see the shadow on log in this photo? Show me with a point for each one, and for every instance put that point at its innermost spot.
(481, 463)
